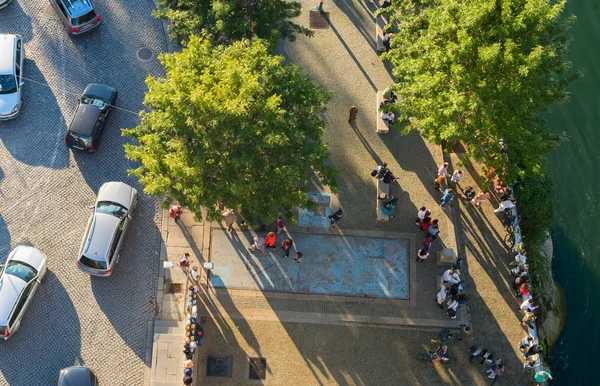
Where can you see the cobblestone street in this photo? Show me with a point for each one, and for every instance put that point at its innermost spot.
(46, 191)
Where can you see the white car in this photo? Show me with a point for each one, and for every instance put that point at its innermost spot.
(99, 252)
(4, 3)
(20, 278)
(11, 75)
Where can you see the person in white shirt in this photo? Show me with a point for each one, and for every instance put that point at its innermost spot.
(527, 305)
(441, 296)
(423, 212)
(457, 176)
(520, 258)
(259, 244)
(388, 117)
(443, 170)
(448, 275)
(526, 342)
(527, 366)
(506, 204)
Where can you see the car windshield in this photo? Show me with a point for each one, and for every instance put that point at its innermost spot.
(78, 140)
(8, 84)
(94, 102)
(96, 264)
(21, 270)
(111, 208)
(85, 18)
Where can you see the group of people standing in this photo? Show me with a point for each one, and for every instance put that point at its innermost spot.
(270, 242)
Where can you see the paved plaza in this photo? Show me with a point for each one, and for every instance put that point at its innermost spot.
(332, 265)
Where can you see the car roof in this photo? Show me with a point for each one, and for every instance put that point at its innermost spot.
(76, 376)
(100, 237)
(7, 49)
(85, 119)
(10, 289)
(114, 191)
(97, 90)
(29, 255)
(77, 8)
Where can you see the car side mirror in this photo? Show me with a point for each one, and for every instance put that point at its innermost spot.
(38, 281)
(21, 84)
(91, 206)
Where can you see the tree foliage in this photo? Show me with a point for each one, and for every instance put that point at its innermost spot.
(231, 20)
(536, 205)
(231, 126)
(480, 71)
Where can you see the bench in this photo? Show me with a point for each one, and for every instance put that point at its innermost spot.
(380, 23)
(382, 187)
(382, 126)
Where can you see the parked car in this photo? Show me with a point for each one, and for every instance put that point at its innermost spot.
(106, 229)
(77, 376)
(19, 279)
(78, 16)
(4, 3)
(90, 117)
(11, 75)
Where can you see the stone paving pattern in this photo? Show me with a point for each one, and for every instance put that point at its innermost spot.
(45, 191)
(332, 265)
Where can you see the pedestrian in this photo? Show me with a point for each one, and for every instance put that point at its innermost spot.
(524, 291)
(389, 207)
(498, 184)
(475, 352)
(438, 183)
(433, 229)
(520, 257)
(443, 170)
(469, 194)
(187, 372)
(520, 280)
(529, 366)
(441, 296)
(452, 308)
(422, 255)
(175, 211)
(386, 3)
(496, 370)
(481, 197)
(464, 333)
(188, 364)
(541, 377)
(187, 380)
(506, 204)
(280, 223)
(527, 305)
(421, 214)
(457, 265)
(388, 117)
(194, 273)
(425, 224)
(298, 258)
(229, 217)
(448, 275)
(447, 197)
(270, 240)
(320, 7)
(336, 218)
(445, 334)
(386, 41)
(457, 177)
(185, 260)
(526, 343)
(427, 243)
(352, 114)
(380, 171)
(533, 350)
(286, 245)
(507, 195)
(527, 320)
(259, 245)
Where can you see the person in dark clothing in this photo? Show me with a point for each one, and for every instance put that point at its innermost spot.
(336, 218)
(457, 265)
(425, 224)
(536, 349)
(386, 40)
(286, 245)
(386, 3)
(389, 206)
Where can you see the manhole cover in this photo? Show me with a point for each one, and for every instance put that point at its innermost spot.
(258, 368)
(318, 20)
(219, 366)
(144, 53)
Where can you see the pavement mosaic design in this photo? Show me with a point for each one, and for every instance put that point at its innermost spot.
(332, 265)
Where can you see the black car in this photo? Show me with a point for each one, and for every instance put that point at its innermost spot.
(90, 117)
(77, 376)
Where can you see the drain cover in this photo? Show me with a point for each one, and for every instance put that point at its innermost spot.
(144, 53)
(219, 367)
(318, 20)
(258, 368)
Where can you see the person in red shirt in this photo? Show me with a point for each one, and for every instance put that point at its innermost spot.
(270, 240)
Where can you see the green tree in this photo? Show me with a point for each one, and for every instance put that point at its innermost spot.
(480, 71)
(231, 20)
(231, 126)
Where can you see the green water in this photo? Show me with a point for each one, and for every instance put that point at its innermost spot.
(575, 169)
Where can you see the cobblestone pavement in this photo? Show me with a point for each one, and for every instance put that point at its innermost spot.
(45, 192)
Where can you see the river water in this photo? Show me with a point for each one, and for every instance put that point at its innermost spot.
(575, 170)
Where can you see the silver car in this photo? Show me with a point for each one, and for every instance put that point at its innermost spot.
(11, 75)
(19, 279)
(106, 228)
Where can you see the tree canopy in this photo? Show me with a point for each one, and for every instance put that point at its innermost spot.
(230, 20)
(231, 127)
(480, 71)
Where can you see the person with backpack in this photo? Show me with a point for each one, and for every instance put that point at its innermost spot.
(336, 217)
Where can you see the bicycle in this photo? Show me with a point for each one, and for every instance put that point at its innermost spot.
(431, 355)
(509, 239)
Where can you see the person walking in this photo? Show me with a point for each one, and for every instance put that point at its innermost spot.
(336, 217)
(469, 194)
(229, 217)
(270, 240)
(298, 258)
(427, 243)
(443, 170)
(259, 244)
(286, 245)
(433, 229)
(438, 183)
(280, 223)
(481, 197)
(541, 377)
(421, 214)
(457, 177)
(185, 260)
(422, 255)
(496, 370)
(175, 211)
(447, 197)
(441, 296)
(424, 226)
(452, 308)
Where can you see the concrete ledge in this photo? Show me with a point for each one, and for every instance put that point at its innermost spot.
(380, 23)
(382, 126)
(382, 187)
